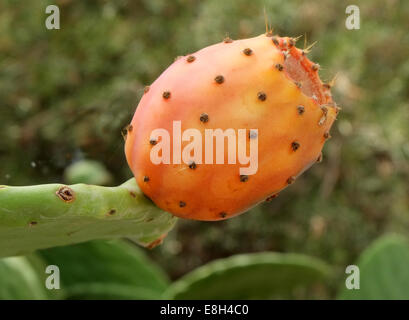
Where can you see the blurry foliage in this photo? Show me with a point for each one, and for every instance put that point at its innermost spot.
(19, 280)
(384, 272)
(65, 95)
(265, 275)
(87, 171)
(105, 270)
(119, 270)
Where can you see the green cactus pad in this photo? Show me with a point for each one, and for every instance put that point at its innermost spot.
(43, 216)
(250, 276)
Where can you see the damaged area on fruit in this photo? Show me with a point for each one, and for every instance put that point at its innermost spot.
(302, 71)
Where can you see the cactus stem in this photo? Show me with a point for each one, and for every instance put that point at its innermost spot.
(36, 217)
(65, 194)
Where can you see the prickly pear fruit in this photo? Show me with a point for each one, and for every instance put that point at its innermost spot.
(263, 83)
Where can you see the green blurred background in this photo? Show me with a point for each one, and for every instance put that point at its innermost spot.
(66, 94)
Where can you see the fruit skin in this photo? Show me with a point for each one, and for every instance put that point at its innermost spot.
(224, 81)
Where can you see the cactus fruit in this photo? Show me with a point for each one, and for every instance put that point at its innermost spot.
(263, 83)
